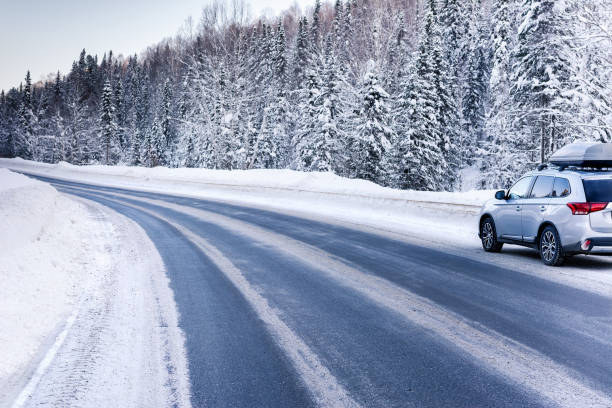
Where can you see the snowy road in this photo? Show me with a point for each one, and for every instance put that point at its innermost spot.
(285, 311)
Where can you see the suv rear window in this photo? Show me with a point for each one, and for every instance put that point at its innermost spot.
(598, 191)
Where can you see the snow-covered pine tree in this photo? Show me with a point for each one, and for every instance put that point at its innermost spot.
(44, 138)
(141, 115)
(75, 123)
(337, 101)
(119, 115)
(190, 151)
(5, 149)
(453, 22)
(136, 153)
(315, 29)
(301, 59)
(159, 144)
(153, 148)
(397, 56)
(338, 19)
(448, 118)
(273, 139)
(224, 140)
(12, 105)
(498, 153)
(374, 130)
(420, 162)
(593, 27)
(108, 127)
(342, 40)
(542, 80)
(166, 127)
(476, 92)
(23, 142)
(312, 152)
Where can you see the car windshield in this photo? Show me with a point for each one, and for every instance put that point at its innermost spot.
(598, 190)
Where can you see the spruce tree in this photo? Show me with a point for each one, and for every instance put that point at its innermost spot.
(542, 80)
(449, 133)
(476, 94)
(316, 27)
(420, 161)
(24, 141)
(120, 116)
(4, 133)
(108, 127)
(374, 131)
(166, 125)
(273, 138)
(136, 149)
(501, 142)
(301, 59)
(312, 150)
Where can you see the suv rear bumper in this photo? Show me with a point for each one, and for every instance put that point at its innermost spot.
(598, 246)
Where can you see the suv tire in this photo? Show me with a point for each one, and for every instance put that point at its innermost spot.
(551, 251)
(488, 236)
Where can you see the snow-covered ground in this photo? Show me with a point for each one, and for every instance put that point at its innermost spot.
(67, 295)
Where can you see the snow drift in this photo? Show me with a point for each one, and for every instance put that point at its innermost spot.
(40, 266)
(268, 179)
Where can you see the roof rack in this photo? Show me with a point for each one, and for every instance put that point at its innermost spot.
(561, 167)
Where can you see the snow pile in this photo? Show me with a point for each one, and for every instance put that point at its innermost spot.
(43, 243)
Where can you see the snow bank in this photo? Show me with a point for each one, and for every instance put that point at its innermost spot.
(43, 242)
(315, 182)
(432, 214)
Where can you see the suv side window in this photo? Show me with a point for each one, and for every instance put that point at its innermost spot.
(521, 188)
(561, 188)
(543, 187)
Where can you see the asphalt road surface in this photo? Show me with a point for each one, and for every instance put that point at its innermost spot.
(282, 311)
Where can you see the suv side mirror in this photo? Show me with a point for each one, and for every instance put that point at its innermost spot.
(500, 195)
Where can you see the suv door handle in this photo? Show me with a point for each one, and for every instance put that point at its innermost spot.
(518, 208)
(542, 208)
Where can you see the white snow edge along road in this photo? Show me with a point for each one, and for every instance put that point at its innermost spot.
(88, 318)
(316, 193)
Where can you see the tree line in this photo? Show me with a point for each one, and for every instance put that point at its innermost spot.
(404, 93)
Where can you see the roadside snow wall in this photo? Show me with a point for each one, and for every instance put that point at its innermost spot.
(43, 247)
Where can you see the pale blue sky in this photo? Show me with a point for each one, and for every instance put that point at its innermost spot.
(46, 35)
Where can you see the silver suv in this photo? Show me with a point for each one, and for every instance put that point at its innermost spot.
(562, 209)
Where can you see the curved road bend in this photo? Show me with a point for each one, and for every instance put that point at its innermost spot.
(280, 311)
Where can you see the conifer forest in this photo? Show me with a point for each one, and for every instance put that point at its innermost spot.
(404, 93)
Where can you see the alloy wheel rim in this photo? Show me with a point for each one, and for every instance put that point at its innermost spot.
(549, 246)
(487, 235)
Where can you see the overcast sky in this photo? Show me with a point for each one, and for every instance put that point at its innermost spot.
(46, 35)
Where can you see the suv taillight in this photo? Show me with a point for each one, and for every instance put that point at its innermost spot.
(586, 208)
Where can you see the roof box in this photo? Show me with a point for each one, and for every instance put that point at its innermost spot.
(594, 155)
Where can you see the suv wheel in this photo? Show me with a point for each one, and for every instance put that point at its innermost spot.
(488, 236)
(550, 247)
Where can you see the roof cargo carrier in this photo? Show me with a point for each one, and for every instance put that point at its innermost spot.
(586, 155)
